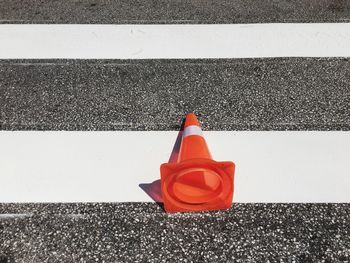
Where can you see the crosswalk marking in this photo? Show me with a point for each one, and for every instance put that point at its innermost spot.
(174, 41)
(271, 166)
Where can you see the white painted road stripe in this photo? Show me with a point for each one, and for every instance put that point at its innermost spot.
(174, 41)
(109, 166)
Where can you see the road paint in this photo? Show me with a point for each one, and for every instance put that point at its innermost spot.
(271, 166)
(174, 41)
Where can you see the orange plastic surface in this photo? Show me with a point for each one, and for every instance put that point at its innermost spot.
(196, 182)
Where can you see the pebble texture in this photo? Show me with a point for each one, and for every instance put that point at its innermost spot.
(233, 94)
(173, 11)
(142, 232)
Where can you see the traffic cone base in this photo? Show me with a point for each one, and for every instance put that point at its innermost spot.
(197, 185)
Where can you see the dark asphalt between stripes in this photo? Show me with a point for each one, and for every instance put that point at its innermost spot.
(232, 94)
(142, 232)
(173, 11)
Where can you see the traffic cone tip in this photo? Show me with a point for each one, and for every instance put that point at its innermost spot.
(191, 119)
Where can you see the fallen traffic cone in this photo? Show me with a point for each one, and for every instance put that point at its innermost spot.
(196, 182)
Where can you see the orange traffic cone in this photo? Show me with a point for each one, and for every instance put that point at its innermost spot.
(196, 182)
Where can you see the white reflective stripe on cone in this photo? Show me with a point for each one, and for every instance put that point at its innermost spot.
(192, 130)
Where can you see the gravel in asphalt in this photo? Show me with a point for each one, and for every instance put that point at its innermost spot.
(173, 11)
(227, 94)
(143, 232)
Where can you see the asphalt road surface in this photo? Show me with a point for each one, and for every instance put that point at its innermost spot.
(173, 11)
(142, 232)
(230, 94)
(227, 94)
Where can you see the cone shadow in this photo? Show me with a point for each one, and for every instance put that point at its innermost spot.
(153, 189)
